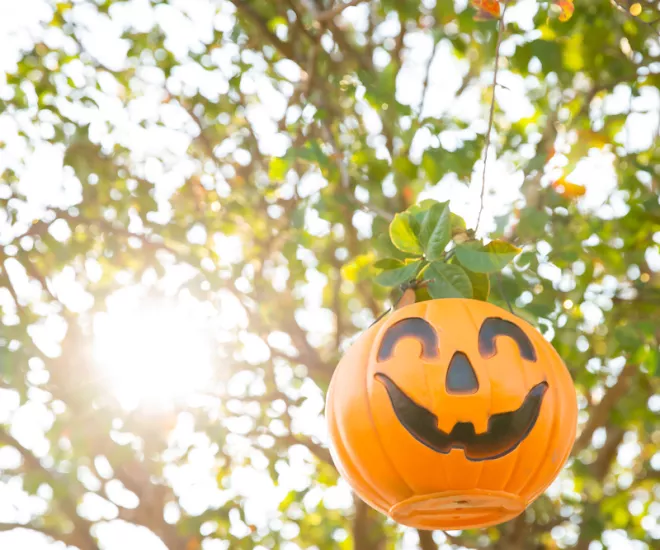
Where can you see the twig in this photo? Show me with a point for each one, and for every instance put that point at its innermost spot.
(467, 80)
(206, 142)
(285, 48)
(299, 21)
(33, 272)
(622, 9)
(317, 450)
(500, 34)
(427, 75)
(339, 36)
(370, 208)
(534, 169)
(345, 180)
(336, 10)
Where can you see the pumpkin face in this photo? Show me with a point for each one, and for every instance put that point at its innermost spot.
(450, 414)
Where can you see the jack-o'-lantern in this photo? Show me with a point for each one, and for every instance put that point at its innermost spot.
(450, 414)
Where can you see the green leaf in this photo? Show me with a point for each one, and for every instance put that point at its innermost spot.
(548, 53)
(278, 168)
(275, 22)
(416, 223)
(486, 259)
(457, 224)
(448, 281)
(359, 268)
(405, 166)
(572, 53)
(480, 283)
(436, 231)
(388, 263)
(383, 245)
(311, 153)
(433, 165)
(395, 277)
(532, 222)
(403, 236)
(417, 213)
(526, 258)
(422, 207)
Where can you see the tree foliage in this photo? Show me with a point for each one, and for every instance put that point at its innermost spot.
(174, 130)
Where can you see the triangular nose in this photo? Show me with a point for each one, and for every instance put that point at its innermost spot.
(461, 377)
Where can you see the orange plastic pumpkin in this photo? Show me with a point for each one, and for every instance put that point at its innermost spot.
(451, 414)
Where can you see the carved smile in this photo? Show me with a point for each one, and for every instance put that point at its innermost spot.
(505, 430)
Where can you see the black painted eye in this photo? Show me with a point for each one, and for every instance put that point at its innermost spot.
(414, 327)
(494, 327)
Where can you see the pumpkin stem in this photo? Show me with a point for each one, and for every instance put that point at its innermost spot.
(408, 297)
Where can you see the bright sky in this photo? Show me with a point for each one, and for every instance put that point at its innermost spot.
(197, 329)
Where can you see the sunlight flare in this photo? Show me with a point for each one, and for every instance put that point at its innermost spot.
(152, 354)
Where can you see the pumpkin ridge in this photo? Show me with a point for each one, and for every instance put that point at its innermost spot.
(512, 471)
(558, 406)
(431, 392)
(548, 440)
(374, 426)
(426, 374)
(380, 501)
(482, 464)
(364, 480)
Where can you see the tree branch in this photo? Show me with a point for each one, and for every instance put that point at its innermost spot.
(345, 179)
(82, 536)
(515, 534)
(336, 10)
(285, 48)
(601, 412)
(599, 470)
(367, 530)
(317, 450)
(627, 13)
(426, 541)
(166, 532)
(299, 21)
(206, 142)
(607, 453)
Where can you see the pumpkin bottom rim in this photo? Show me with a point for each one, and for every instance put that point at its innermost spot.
(448, 510)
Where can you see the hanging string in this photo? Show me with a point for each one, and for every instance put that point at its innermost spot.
(409, 287)
(406, 298)
(380, 316)
(500, 34)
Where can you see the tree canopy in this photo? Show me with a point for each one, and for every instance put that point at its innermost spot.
(251, 166)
